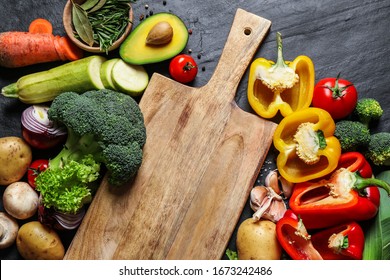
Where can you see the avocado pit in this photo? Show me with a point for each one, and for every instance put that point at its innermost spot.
(160, 34)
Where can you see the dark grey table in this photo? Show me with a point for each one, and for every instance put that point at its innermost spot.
(347, 37)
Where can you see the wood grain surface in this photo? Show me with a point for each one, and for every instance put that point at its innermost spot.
(201, 158)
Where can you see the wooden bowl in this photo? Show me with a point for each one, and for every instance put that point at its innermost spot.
(69, 29)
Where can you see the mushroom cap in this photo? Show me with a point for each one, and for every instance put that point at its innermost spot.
(8, 230)
(20, 200)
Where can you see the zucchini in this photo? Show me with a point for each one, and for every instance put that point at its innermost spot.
(78, 76)
(105, 73)
(128, 78)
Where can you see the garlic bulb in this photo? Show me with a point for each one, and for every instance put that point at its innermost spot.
(267, 204)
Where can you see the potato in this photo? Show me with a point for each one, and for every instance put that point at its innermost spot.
(36, 241)
(15, 158)
(257, 240)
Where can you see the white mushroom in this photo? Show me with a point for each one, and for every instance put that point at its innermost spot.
(8, 230)
(20, 200)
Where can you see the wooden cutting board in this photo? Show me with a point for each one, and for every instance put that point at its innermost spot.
(201, 159)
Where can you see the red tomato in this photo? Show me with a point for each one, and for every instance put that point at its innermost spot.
(183, 68)
(36, 167)
(337, 96)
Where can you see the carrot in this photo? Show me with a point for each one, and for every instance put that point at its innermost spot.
(70, 50)
(18, 49)
(40, 25)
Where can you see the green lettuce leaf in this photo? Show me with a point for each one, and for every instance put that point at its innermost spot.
(68, 189)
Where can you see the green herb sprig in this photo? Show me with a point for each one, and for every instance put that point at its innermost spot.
(100, 22)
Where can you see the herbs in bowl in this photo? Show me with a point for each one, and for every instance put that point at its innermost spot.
(98, 25)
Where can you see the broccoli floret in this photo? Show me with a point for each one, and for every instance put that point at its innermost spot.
(352, 135)
(105, 127)
(368, 110)
(106, 124)
(379, 149)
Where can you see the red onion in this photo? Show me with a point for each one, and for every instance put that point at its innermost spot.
(38, 130)
(59, 220)
(69, 221)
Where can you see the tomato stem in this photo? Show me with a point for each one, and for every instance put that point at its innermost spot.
(188, 66)
(337, 91)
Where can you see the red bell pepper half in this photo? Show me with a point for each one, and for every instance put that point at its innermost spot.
(294, 238)
(349, 194)
(343, 242)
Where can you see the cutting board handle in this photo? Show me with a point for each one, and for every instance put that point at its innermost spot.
(246, 34)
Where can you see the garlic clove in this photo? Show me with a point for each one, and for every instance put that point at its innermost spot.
(276, 211)
(257, 196)
(287, 187)
(160, 34)
(262, 211)
(272, 180)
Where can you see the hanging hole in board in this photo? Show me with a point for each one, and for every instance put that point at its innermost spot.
(247, 31)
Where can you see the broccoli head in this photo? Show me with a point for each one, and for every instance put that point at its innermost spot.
(379, 149)
(368, 110)
(106, 124)
(352, 135)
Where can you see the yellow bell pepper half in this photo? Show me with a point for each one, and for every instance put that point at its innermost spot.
(307, 148)
(282, 86)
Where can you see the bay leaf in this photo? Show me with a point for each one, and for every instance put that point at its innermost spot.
(98, 6)
(81, 24)
(89, 4)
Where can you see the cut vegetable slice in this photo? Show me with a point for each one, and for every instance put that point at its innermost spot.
(105, 73)
(130, 79)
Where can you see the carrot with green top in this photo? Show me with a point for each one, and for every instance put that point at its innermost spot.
(39, 45)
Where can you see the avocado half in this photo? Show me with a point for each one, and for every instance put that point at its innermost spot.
(134, 49)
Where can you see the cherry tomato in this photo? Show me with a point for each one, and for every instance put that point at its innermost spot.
(335, 95)
(36, 167)
(183, 68)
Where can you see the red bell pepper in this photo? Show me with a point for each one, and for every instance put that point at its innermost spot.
(294, 238)
(349, 194)
(343, 242)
